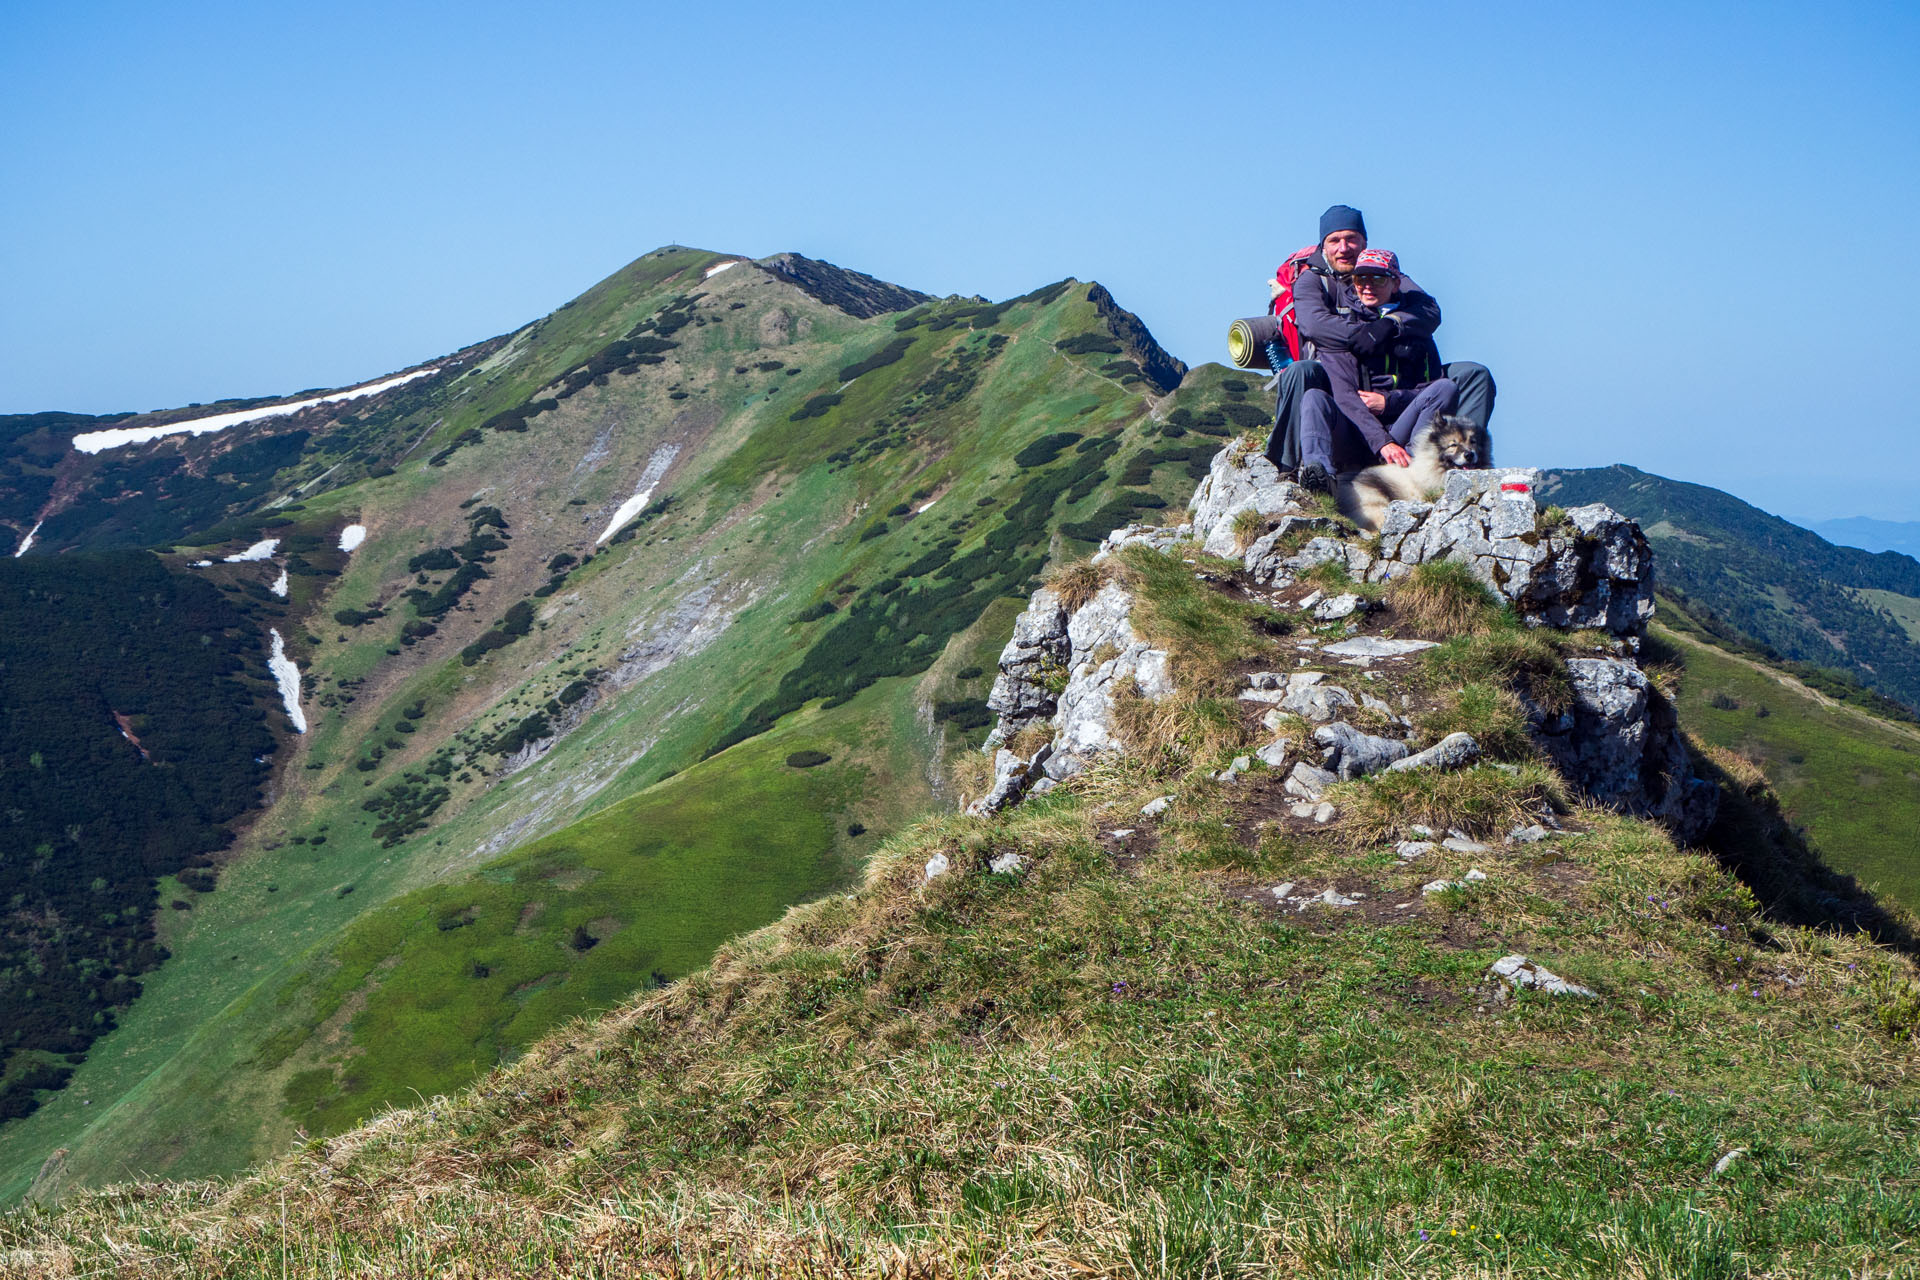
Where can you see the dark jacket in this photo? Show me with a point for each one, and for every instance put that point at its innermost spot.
(1397, 370)
(1404, 365)
(1331, 319)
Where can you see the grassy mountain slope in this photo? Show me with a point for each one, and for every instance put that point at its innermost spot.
(1128, 1058)
(1849, 780)
(1779, 585)
(842, 511)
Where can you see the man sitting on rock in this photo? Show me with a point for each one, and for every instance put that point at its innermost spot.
(1330, 318)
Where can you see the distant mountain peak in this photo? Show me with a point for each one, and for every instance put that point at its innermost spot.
(856, 293)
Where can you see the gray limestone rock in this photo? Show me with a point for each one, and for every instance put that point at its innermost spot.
(1317, 702)
(1376, 647)
(1239, 480)
(1008, 864)
(1353, 754)
(1451, 752)
(1143, 535)
(1154, 808)
(1333, 609)
(1308, 782)
(1083, 718)
(1516, 971)
(1273, 755)
(1012, 777)
(1038, 647)
(1620, 743)
(1264, 560)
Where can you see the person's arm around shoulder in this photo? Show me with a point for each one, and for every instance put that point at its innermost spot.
(1416, 311)
(1313, 312)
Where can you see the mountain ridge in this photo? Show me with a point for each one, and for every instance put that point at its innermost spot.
(499, 660)
(1116, 1030)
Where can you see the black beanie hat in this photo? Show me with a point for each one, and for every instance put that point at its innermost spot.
(1342, 217)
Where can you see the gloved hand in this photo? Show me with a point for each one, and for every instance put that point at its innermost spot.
(1370, 339)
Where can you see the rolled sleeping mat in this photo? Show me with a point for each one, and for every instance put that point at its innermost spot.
(1247, 341)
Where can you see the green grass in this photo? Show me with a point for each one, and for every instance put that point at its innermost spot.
(1850, 781)
(1136, 1074)
(1904, 610)
(189, 1083)
(1139, 1066)
(463, 975)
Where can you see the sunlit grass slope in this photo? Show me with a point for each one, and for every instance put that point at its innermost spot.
(800, 559)
(1126, 1058)
(1849, 780)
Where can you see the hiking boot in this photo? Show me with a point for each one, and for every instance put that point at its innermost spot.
(1315, 478)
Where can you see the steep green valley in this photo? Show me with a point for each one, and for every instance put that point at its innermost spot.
(617, 566)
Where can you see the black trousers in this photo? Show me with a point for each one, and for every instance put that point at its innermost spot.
(1474, 383)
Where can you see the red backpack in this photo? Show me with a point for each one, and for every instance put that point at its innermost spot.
(1290, 271)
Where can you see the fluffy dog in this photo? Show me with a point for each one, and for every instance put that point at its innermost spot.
(1445, 444)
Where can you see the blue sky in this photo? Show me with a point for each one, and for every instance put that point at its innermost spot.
(1682, 236)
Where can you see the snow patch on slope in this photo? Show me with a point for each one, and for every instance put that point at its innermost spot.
(287, 676)
(28, 540)
(95, 441)
(352, 536)
(717, 268)
(656, 467)
(261, 550)
(279, 586)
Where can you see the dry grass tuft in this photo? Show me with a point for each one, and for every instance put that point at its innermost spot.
(1249, 526)
(1482, 802)
(971, 773)
(1030, 739)
(1079, 582)
(1491, 713)
(1440, 599)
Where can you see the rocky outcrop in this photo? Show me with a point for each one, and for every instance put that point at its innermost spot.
(1156, 365)
(853, 292)
(1244, 481)
(1067, 669)
(1618, 740)
(1590, 568)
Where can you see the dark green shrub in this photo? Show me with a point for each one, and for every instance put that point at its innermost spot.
(815, 407)
(1088, 344)
(808, 759)
(880, 359)
(1039, 453)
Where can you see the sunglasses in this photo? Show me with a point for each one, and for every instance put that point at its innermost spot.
(1371, 282)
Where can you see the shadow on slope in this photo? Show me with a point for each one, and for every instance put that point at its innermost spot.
(1752, 838)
